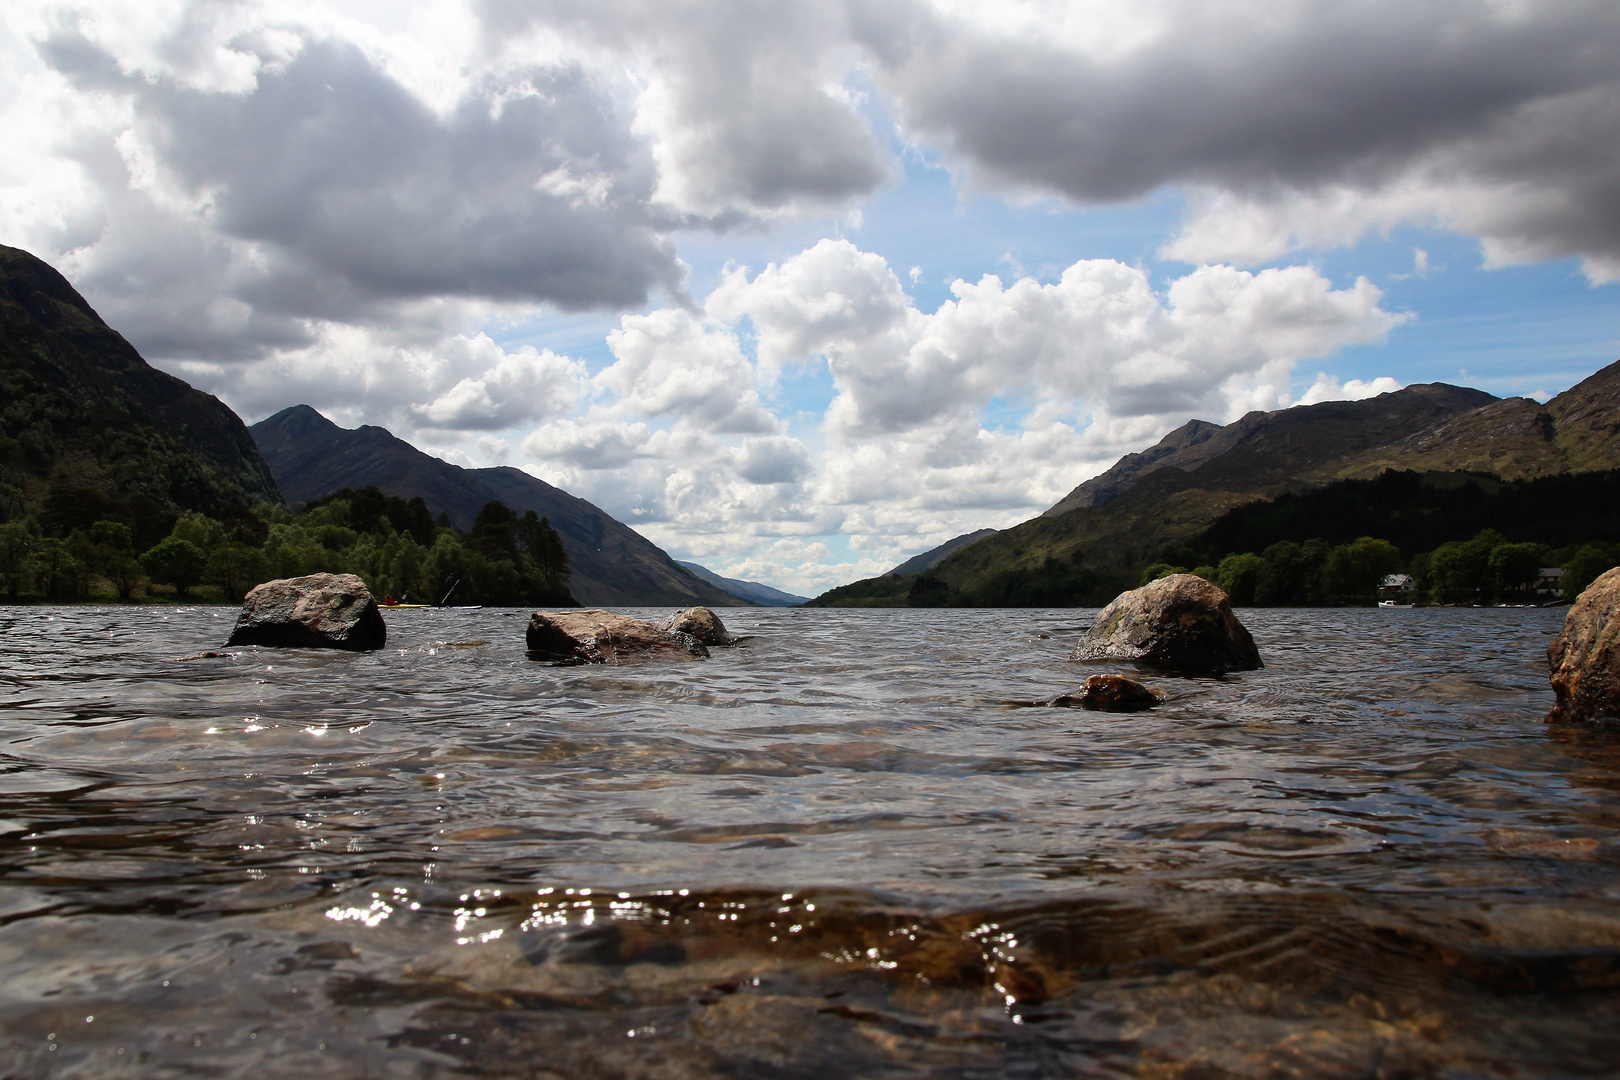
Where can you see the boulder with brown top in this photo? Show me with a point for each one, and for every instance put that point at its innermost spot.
(699, 623)
(594, 636)
(1178, 623)
(1109, 693)
(318, 611)
(1585, 656)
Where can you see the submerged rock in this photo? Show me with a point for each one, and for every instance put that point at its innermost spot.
(1178, 623)
(1109, 693)
(699, 623)
(319, 611)
(594, 636)
(1585, 656)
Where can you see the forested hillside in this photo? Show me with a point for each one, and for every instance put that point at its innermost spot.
(395, 545)
(90, 431)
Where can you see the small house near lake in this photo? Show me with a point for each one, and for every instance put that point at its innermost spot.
(1397, 587)
(1550, 582)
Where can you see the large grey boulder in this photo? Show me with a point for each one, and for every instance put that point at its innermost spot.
(699, 623)
(594, 636)
(1585, 656)
(319, 611)
(1178, 623)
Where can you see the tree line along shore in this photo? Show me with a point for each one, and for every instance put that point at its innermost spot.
(85, 548)
(1460, 538)
(1468, 540)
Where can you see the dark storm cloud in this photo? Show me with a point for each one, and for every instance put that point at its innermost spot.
(1265, 99)
(357, 198)
(539, 195)
(1308, 93)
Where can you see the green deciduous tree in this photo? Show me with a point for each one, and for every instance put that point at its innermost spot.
(15, 546)
(55, 568)
(1515, 567)
(1587, 564)
(1355, 569)
(1461, 570)
(1239, 576)
(1285, 579)
(235, 568)
(200, 530)
(1157, 570)
(176, 562)
(115, 556)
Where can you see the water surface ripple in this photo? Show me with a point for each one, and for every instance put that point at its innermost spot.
(848, 846)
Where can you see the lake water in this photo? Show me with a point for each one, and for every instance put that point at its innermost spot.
(844, 847)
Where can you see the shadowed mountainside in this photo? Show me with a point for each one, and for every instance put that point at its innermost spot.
(1303, 445)
(611, 563)
(1173, 491)
(81, 411)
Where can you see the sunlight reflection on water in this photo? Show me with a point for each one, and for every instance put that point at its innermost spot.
(841, 847)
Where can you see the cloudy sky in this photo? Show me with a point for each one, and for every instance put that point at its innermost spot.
(799, 288)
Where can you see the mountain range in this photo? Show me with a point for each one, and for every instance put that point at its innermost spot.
(752, 591)
(1169, 493)
(89, 429)
(934, 556)
(612, 564)
(84, 416)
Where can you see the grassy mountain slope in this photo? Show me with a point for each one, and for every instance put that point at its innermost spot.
(1170, 493)
(611, 563)
(934, 556)
(1516, 438)
(1303, 445)
(81, 410)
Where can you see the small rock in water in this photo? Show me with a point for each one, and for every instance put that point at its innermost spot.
(1109, 693)
(1178, 623)
(594, 636)
(699, 623)
(319, 611)
(1585, 656)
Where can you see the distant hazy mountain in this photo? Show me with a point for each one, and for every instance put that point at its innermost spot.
(752, 591)
(80, 409)
(934, 556)
(1169, 493)
(612, 564)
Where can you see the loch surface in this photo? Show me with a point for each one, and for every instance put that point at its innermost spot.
(847, 846)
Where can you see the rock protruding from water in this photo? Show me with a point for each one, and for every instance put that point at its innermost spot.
(1585, 656)
(319, 611)
(699, 623)
(593, 636)
(1109, 693)
(1178, 623)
